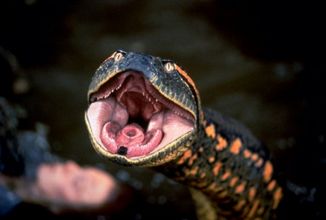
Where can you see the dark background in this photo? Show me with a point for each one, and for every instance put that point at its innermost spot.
(261, 62)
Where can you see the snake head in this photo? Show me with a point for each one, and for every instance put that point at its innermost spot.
(143, 110)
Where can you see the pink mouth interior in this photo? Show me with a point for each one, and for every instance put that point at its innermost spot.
(130, 118)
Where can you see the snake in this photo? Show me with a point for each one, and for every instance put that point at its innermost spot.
(146, 111)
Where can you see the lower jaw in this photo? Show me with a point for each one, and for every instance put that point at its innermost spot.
(156, 158)
(131, 140)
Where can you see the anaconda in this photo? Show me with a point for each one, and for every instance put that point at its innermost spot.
(146, 111)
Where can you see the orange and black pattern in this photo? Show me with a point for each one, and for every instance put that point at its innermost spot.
(228, 170)
(231, 168)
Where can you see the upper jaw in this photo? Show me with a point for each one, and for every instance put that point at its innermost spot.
(148, 89)
(170, 85)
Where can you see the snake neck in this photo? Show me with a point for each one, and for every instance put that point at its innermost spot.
(230, 167)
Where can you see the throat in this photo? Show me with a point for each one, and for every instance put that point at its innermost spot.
(139, 121)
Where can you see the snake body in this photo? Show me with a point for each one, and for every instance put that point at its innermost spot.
(146, 111)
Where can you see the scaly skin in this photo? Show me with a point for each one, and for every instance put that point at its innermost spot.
(229, 166)
(227, 169)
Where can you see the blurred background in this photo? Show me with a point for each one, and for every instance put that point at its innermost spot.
(261, 62)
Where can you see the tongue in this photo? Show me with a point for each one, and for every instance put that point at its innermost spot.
(132, 138)
(130, 135)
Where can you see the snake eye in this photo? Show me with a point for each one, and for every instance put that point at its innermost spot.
(117, 56)
(169, 67)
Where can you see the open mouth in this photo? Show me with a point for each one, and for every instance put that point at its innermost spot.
(128, 116)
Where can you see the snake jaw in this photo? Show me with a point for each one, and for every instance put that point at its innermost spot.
(128, 117)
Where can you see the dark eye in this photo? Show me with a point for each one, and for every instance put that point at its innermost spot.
(169, 67)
